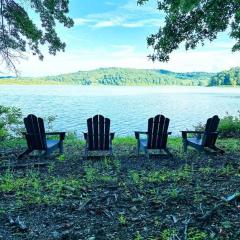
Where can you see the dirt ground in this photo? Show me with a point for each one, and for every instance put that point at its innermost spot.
(124, 197)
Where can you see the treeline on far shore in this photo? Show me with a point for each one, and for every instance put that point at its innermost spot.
(133, 77)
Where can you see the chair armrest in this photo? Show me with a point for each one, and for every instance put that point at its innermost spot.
(112, 135)
(85, 135)
(29, 134)
(61, 134)
(211, 133)
(184, 133)
(55, 133)
(198, 132)
(138, 133)
(169, 133)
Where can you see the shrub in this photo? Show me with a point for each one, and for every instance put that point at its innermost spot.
(229, 126)
(10, 122)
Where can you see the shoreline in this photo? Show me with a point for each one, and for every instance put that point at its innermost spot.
(53, 83)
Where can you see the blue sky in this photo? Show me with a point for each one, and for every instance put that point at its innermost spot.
(112, 33)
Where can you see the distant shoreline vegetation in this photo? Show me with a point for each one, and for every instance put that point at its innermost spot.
(133, 77)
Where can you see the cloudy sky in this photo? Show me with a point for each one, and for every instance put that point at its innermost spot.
(112, 33)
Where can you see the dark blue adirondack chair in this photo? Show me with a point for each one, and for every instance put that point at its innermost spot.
(157, 136)
(98, 137)
(204, 139)
(36, 137)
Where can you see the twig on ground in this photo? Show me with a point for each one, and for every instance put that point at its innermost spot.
(186, 228)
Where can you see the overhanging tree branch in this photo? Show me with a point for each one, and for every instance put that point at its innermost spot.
(18, 32)
(192, 22)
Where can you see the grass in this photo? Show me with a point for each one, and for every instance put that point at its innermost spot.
(174, 143)
(155, 188)
(230, 126)
(32, 188)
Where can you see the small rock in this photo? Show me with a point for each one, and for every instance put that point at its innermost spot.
(56, 235)
(91, 238)
(22, 226)
(66, 235)
(133, 209)
(68, 188)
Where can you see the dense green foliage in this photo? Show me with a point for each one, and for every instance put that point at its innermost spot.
(192, 22)
(131, 77)
(229, 126)
(231, 77)
(18, 31)
(121, 76)
(11, 122)
(10, 119)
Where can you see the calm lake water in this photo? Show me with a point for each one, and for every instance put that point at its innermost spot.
(128, 107)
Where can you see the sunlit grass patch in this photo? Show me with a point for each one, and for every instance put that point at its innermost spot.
(196, 234)
(32, 189)
(183, 173)
(229, 144)
(129, 141)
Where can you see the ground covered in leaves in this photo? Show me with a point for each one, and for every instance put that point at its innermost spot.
(124, 197)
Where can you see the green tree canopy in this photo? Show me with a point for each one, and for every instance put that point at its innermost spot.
(18, 31)
(192, 22)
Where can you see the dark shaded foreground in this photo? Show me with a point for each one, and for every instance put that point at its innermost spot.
(122, 198)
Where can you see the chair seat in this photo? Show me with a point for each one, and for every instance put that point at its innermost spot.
(52, 143)
(197, 141)
(143, 142)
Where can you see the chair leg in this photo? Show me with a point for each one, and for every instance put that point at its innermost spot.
(185, 146)
(218, 150)
(85, 154)
(45, 154)
(26, 152)
(61, 147)
(147, 153)
(111, 153)
(168, 153)
(138, 148)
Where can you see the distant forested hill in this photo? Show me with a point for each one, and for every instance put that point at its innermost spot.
(124, 76)
(120, 76)
(230, 78)
(131, 77)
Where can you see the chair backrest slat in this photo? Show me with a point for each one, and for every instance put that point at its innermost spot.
(209, 139)
(106, 134)
(157, 132)
(90, 133)
(36, 137)
(98, 133)
(101, 132)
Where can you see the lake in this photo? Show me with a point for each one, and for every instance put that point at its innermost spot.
(128, 107)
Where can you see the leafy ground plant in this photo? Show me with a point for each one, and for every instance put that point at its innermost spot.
(124, 197)
(10, 122)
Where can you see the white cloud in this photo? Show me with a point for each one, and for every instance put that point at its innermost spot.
(88, 53)
(128, 16)
(127, 56)
(148, 22)
(117, 21)
(126, 22)
(81, 21)
(123, 51)
(209, 61)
